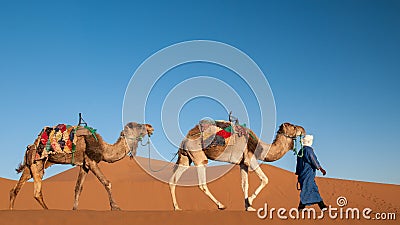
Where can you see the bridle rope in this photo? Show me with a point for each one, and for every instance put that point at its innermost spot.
(149, 160)
(148, 143)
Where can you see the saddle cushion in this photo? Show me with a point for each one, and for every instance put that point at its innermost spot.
(57, 139)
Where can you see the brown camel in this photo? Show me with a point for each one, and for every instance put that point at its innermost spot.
(89, 152)
(199, 146)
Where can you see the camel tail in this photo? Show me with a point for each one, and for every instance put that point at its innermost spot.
(175, 168)
(182, 154)
(177, 161)
(20, 167)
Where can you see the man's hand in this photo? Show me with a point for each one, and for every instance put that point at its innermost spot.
(322, 171)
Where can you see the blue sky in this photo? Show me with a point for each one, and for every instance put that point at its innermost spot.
(333, 67)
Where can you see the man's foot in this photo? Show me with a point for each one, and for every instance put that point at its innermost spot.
(301, 206)
(322, 205)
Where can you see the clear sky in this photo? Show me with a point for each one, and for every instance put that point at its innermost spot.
(333, 67)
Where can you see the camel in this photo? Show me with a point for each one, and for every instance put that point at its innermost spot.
(240, 149)
(90, 150)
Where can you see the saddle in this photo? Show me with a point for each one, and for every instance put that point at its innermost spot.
(225, 130)
(59, 139)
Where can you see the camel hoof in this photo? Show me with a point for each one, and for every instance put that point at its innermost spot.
(251, 199)
(250, 209)
(177, 209)
(221, 206)
(115, 208)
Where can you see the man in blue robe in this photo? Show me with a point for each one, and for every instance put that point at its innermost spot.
(306, 166)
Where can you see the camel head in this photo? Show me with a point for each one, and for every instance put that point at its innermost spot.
(291, 131)
(135, 132)
(149, 129)
(283, 142)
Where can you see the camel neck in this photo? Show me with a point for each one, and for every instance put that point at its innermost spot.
(278, 148)
(115, 152)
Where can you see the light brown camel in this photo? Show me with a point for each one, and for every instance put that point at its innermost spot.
(241, 149)
(87, 156)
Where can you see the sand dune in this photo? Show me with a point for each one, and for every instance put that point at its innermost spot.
(143, 197)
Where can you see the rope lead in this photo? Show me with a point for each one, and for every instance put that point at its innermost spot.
(149, 161)
(300, 153)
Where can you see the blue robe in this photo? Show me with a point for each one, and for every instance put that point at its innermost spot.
(305, 169)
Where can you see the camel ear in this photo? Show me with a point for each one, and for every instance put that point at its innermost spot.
(288, 125)
(281, 127)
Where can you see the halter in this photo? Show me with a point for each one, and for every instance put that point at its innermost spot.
(291, 137)
(286, 135)
(299, 153)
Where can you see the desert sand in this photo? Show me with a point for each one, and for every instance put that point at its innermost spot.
(145, 200)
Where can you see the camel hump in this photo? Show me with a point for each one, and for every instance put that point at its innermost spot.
(194, 132)
(82, 131)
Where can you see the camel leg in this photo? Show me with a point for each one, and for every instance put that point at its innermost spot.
(264, 182)
(25, 176)
(107, 184)
(201, 172)
(244, 172)
(173, 181)
(83, 171)
(37, 173)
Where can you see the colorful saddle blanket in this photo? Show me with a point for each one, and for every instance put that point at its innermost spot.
(58, 139)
